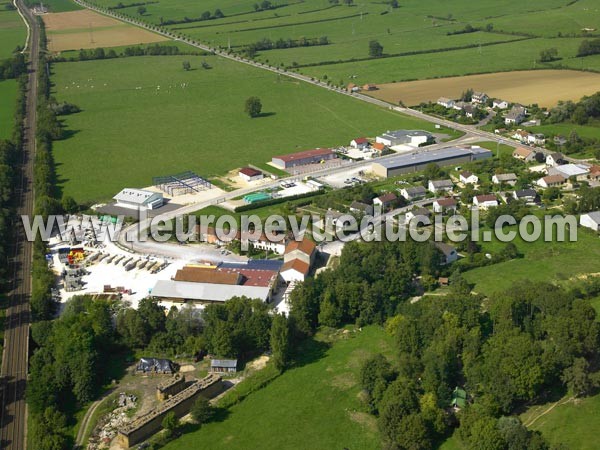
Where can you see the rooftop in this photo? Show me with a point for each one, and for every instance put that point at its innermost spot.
(250, 172)
(132, 195)
(186, 290)
(305, 154)
(425, 156)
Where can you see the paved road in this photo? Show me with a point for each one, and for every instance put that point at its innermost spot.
(13, 414)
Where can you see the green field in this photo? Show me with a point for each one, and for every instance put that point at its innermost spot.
(8, 94)
(571, 422)
(542, 261)
(12, 30)
(124, 135)
(313, 406)
(415, 26)
(56, 6)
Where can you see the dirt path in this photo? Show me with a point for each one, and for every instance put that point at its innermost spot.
(86, 419)
(554, 405)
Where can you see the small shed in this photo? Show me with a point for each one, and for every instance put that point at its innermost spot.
(223, 365)
(459, 398)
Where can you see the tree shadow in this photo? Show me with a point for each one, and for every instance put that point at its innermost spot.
(266, 114)
(309, 351)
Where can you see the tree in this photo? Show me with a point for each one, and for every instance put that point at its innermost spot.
(375, 49)
(549, 55)
(69, 205)
(171, 423)
(253, 107)
(186, 65)
(201, 410)
(218, 14)
(141, 10)
(394, 4)
(280, 341)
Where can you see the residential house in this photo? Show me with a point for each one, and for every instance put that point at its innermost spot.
(555, 159)
(526, 195)
(594, 174)
(436, 186)
(385, 200)
(421, 213)
(361, 208)
(500, 104)
(516, 115)
(446, 102)
(445, 205)
(551, 181)
(524, 154)
(521, 135)
(249, 174)
(469, 110)
(413, 193)
(379, 147)
(590, 220)
(536, 139)
(449, 253)
(506, 178)
(559, 140)
(467, 177)
(479, 98)
(485, 201)
(360, 143)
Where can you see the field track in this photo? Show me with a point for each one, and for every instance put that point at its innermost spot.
(86, 29)
(13, 412)
(544, 87)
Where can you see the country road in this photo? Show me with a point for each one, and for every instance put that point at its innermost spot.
(13, 412)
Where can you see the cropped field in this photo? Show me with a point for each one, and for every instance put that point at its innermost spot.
(58, 6)
(8, 94)
(313, 406)
(12, 30)
(75, 30)
(544, 87)
(130, 130)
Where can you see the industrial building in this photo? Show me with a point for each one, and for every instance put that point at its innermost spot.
(416, 161)
(138, 199)
(303, 158)
(414, 138)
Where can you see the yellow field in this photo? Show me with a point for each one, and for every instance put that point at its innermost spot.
(544, 87)
(75, 30)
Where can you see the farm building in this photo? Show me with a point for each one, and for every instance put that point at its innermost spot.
(138, 199)
(303, 158)
(590, 220)
(223, 365)
(414, 138)
(249, 174)
(417, 161)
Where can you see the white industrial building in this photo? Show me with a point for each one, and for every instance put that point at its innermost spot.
(413, 138)
(138, 199)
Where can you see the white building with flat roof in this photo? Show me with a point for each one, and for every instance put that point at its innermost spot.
(138, 199)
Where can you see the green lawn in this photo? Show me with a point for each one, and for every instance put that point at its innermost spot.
(572, 423)
(56, 6)
(542, 261)
(12, 30)
(129, 130)
(8, 94)
(313, 406)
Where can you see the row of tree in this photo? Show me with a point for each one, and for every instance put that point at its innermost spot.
(268, 44)
(589, 47)
(206, 15)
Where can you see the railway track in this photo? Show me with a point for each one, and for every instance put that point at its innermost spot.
(13, 413)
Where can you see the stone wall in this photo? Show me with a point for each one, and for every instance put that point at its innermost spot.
(170, 387)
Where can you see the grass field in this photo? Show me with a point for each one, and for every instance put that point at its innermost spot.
(8, 94)
(12, 30)
(129, 130)
(313, 406)
(569, 422)
(74, 30)
(542, 261)
(545, 87)
(430, 27)
(58, 6)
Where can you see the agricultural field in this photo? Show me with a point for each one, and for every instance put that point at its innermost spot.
(75, 30)
(541, 261)
(8, 94)
(420, 40)
(146, 116)
(12, 29)
(314, 405)
(544, 87)
(58, 6)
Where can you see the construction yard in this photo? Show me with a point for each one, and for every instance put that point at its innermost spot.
(74, 30)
